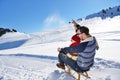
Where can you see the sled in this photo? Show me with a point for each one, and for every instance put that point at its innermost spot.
(84, 73)
(66, 76)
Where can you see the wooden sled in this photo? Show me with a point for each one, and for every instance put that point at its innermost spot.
(84, 73)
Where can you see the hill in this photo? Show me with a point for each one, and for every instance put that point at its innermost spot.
(106, 13)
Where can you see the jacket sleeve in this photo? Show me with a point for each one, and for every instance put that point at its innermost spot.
(75, 49)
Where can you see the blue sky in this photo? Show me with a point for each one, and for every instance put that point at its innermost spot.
(31, 16)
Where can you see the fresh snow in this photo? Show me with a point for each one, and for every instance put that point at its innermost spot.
(111, 12)
(34, 56)
(32, 68)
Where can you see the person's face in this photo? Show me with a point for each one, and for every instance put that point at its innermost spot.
(78, 32)
(72, 41)
(81, 35)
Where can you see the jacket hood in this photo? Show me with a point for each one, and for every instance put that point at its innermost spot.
(91, 38)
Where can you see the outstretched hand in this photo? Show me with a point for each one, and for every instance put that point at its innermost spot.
(73, 21)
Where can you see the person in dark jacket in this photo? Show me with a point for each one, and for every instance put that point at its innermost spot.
(86, 51)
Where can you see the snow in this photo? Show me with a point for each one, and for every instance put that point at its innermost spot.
(34, 56)
(32, 68)
(111, 12)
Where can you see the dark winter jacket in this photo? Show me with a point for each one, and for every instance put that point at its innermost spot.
(86, 52)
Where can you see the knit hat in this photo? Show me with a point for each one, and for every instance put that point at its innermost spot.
(76, 38)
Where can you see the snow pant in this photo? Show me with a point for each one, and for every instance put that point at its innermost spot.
(65, 60)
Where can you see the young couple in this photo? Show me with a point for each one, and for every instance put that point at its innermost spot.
(83, 46)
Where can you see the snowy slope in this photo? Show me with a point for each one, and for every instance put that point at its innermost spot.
(105, 13)
(32, 68)
(107, 32)
(33, 56)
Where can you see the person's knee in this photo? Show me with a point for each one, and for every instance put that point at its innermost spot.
(62, 56)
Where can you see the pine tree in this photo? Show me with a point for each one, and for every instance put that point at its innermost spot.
(118, 9)
(14, 30)
(103, 11)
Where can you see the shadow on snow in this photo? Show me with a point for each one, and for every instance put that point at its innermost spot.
(14, 44)
(99, 62)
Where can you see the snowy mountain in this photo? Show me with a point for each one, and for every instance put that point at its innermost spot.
(4, 30)
(104, 13)
(34, 56)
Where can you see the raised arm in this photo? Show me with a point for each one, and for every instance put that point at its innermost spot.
(76, 25)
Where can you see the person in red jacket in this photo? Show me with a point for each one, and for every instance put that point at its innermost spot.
(75, 40)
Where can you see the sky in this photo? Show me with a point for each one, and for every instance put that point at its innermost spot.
(31, 16)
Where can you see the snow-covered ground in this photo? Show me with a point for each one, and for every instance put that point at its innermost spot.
(43, 68)
(34, 56)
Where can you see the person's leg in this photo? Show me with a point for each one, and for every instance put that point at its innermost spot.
(63, 59)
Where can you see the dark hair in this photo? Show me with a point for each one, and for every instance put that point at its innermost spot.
(84, 29)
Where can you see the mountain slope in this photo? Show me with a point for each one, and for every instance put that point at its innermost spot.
(107, 32)
(111, 12)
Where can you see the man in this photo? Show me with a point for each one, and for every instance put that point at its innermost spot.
(85, 50)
